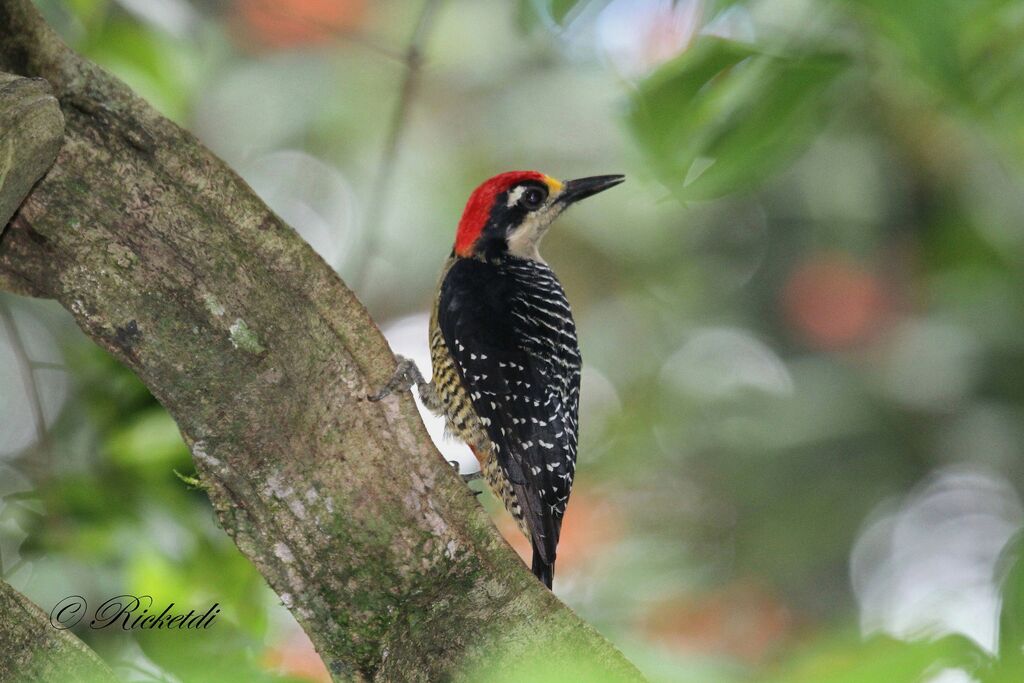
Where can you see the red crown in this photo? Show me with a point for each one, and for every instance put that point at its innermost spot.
(478, 208)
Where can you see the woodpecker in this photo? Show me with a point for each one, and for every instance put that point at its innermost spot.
(506, 362)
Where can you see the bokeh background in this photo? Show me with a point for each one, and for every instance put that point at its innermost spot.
(801, 318)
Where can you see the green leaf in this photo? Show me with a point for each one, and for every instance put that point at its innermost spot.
(549, 12)
(160, 68)
(1011, 614)
(885, 659)
(724, 116)
(925, 32)
(560, 9)
(667, 109)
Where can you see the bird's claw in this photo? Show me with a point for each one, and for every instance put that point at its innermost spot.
(472, 476)
(405, 376)
(373, 398)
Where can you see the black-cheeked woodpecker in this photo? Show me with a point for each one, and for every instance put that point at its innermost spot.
(505, 356)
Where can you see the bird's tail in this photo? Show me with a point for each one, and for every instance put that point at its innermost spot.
(543, 570)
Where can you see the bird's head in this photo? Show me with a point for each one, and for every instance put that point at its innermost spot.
(511, 212)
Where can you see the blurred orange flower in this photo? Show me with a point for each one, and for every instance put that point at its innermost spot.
(294, 23)
(742, 621)
(833, 302)
(295, 656)
(590, 525)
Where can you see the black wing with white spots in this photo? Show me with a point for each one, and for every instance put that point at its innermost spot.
(510, 330)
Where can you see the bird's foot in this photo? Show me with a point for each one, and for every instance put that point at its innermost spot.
(406, 375)
(472, 476)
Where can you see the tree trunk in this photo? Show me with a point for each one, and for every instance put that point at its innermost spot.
(167, 259)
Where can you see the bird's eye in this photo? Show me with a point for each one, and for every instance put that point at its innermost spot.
(532, 198)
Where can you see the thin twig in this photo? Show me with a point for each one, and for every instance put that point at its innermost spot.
(378, 194)
(28, 379)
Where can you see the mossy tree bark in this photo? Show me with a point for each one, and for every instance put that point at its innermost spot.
(167, 259)
(32, 650)
(31, 130)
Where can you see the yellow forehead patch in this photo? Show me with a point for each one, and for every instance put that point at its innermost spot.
(554, 186)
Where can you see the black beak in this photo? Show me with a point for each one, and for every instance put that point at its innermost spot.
(581, 188)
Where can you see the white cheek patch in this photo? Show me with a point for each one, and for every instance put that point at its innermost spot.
(514, 196)
(523, 241)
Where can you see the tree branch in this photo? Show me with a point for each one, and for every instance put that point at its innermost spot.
(375, 207)
(261, 354)
(33, 650)
(31, 128)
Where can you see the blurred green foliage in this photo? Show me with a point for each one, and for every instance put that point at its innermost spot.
(125, 524)
(725, 116)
